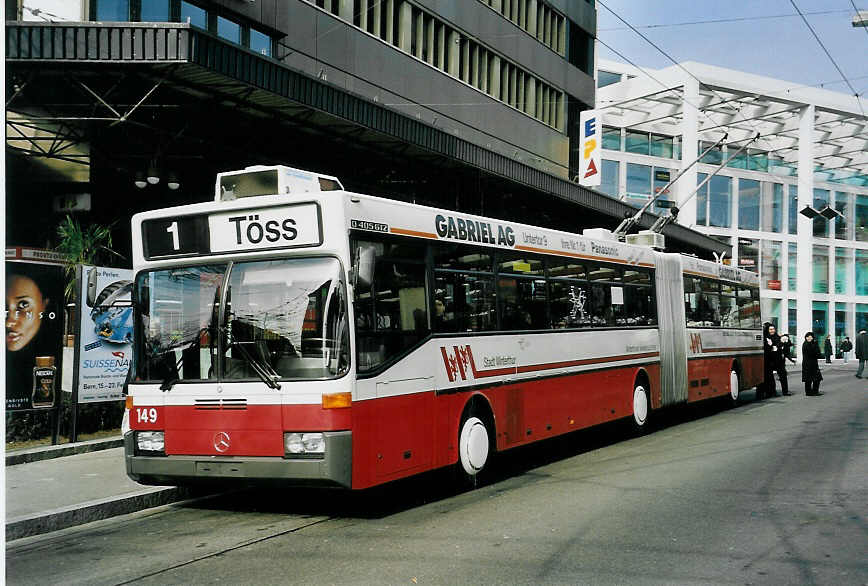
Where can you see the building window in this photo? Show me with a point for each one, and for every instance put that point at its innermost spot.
(821, 225)
(793, 211)
(860, 220)
(861, 279)
(792, 265)
(229, 30)
(636, 142)
(758, 160)
(605, 78)
(738, 161)
(194, 15)
(720, 201)
(661, 146)
(260, 43)
(748, 254)
(772, 207)
(611, 138)
(713, 157)
(609, 179)
(661, 179)
(771, 265)
(701, 201)
(843, 206)
(155, 11)
(792, 321)
(861, 315)
(820, 320)
(840, 323)
(821, 269)
(638, 184)
(748, 204)
(113, 11)
(843, 264)
(771, 310)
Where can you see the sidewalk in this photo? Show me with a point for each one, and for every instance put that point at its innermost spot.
(44, 495)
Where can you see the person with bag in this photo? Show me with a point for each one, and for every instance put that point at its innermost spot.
(774, 362)
(846, 346)
(787, 348)
(811, 375)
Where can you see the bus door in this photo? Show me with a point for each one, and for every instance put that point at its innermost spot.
(672, 329)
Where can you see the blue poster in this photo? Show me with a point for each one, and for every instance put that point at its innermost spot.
(105, 344)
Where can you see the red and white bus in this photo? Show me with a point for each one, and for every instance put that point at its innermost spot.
(290, 330)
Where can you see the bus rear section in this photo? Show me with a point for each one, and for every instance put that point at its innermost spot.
(241, 372)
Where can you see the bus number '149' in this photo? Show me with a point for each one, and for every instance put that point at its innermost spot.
(146, 415)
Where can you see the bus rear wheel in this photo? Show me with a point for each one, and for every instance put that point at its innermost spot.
(641, 407)
(474, 450)
(732, 396)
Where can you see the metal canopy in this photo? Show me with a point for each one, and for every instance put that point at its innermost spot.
(743, 105)
(146, 78)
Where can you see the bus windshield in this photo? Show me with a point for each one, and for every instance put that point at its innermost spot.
(277, 320)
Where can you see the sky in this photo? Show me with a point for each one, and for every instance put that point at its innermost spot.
(782, 47)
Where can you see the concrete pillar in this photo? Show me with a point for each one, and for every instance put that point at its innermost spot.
(531, 16)
(441, 49)
(452, 47)
(689, 139)
(345, 10)
(530, 97)
(390, 21)
(804, 267)
(363, 14)
(405, 30)
(494, 76)
(497, 5)
(420, 33)
(378, 15)
(429, 42)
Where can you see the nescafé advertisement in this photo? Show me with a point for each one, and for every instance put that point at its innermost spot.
(34, 334)
(106, 334)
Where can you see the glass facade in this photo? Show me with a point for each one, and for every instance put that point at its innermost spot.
(772, 207)
(748, 204)
(720, 201)
(609, 178)
(821, 200)
(194, 15)
(820, 268)
(840, 324)
(843, 264)
(661, 146)
(611, 138)
(636, 142)
(605, 78)
(793, 211)
(861, 276)
(226, 29)
(638, 184)
(843, 226)
(861, 316)
(860, 220)
(820, 320)
(260, 43)
(748, 254)
(770, 265)
(791, 321)
(713, 157)
(771, 311)
(792, 265)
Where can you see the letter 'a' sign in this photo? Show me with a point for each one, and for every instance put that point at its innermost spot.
(277, 227)
(591, 143)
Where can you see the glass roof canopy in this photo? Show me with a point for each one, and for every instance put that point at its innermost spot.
(743, 105)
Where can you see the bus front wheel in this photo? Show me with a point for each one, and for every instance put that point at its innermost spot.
(732, 395)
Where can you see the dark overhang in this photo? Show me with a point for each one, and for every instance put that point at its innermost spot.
(193, 60)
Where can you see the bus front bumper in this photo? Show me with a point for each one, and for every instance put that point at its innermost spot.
(334, 469)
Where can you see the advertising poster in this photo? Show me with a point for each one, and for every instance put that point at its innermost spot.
(590, 139)
(34, 334)
(106, 334)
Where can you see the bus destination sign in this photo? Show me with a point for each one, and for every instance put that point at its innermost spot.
(263, 228)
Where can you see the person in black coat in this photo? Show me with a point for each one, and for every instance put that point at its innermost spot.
(827, 349)
(774, 362)
(810, 368)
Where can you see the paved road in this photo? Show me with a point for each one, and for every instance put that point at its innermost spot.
(774, 492)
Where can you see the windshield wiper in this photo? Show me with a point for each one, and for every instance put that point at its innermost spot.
(261, 370)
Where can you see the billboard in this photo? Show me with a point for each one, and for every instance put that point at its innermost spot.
(105, 338)
(591, 144)
(34, 334)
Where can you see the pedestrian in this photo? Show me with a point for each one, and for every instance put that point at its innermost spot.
(846, 346)
(827, 349)
(787, 348)
(810, 368)
(861, 351)
(774, 362)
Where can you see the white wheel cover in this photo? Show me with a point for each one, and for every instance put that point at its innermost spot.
(473, 446)
(640, 405)
(733, 385)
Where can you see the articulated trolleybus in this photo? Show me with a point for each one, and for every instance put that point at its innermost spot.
(290, 330)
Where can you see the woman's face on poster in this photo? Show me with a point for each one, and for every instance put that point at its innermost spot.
(24, 308)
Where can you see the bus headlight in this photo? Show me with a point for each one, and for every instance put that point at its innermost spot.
(304, 444)
(152, 442)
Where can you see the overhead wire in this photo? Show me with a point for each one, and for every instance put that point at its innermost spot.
(856, 11)
(724, 20)
(829, 55)
(688, 72)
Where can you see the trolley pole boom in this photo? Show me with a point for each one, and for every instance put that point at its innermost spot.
(627, 223)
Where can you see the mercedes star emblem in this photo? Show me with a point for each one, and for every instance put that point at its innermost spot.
(221, 441)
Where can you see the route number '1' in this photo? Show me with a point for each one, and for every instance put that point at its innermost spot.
(146, 415)
(173, 230)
